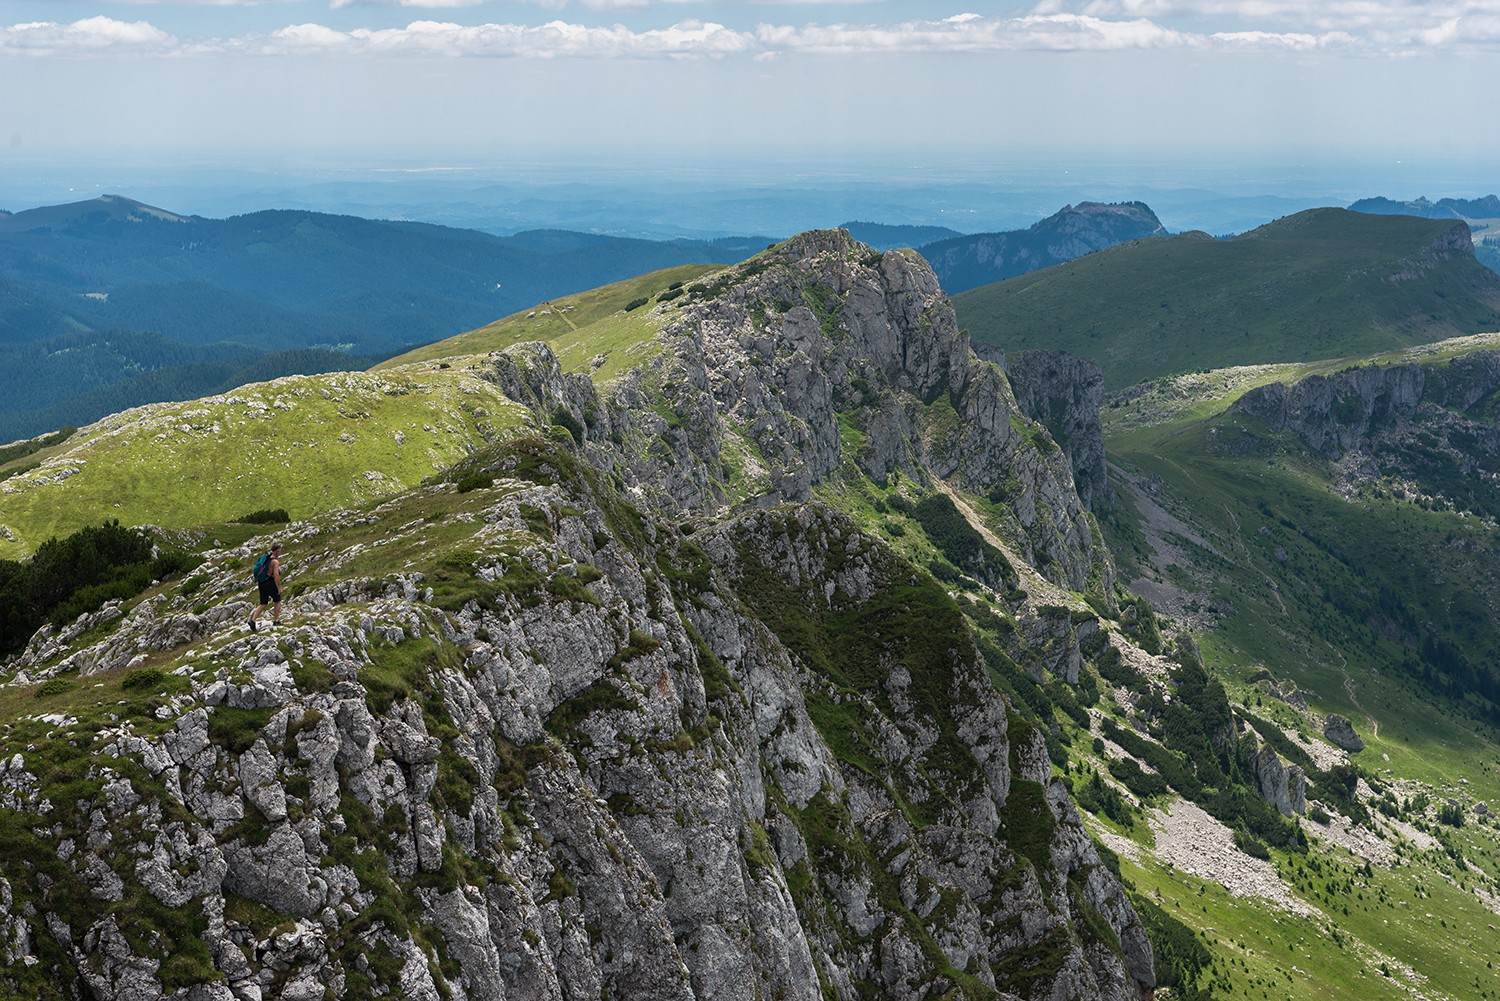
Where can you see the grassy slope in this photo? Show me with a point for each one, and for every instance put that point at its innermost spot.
(1422, 742)
(578, 327)
(1226, 478)
(213, 459)
(1310, 286)
(305, 443)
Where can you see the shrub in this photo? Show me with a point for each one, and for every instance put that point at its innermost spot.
(562, 419)
(959, 541)
(943, 571)
(269, 516)
(1143, 784)
(172, 562)
(475, 481)
(634, 304)
(1250, 844)
(22, 449)
(192, 584)
(52, 686)
(236, 730)
(144, 679)
(1098, 797)
(1451, 814)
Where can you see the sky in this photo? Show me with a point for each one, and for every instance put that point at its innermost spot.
(1318, 99)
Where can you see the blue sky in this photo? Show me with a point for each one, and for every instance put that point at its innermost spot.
(920, 86)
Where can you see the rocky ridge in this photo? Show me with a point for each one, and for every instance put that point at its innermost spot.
(531, 740)
(599, 770)
(820, 352)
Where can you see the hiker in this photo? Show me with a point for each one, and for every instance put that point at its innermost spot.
(268, 576)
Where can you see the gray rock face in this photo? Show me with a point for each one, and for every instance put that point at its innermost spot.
(1284, 785)
(763, 370)
(1333, 414)
(1063, 392)
(1341, 733)
(651, 799)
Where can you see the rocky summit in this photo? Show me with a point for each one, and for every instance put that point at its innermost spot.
(665, 695)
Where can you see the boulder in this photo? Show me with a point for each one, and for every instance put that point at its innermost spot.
(1341, 733)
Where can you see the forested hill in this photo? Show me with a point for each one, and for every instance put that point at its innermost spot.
(309, 277)
(109, 303)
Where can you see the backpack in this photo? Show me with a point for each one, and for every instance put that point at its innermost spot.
(262, 573)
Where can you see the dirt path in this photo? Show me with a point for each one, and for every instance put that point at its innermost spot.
(1250, 562)
(1042, 590)
(1370, 721)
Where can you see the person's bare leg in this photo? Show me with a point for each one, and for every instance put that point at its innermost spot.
(276, 614)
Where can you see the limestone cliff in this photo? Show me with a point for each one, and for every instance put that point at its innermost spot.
(772, 374)
(616, 710)
(575, 755)
(1064, 392)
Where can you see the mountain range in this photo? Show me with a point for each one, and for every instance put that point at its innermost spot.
(315, 292)
(749, 631)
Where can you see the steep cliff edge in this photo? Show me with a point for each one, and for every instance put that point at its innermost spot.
(1421, 432)
(1064, 392)
(564, 753)
(614, 708)
(769, 375)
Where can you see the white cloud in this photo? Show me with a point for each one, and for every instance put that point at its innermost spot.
(972, 33)
(1381, 23)
(92, 34)
(430, 4)
(1045, 29)
(553, 40)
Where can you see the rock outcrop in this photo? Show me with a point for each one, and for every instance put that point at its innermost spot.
(1064, 392)
(771, 375)
(1333, 414)
(1284, 785)
(580, 755)
(1341, 733)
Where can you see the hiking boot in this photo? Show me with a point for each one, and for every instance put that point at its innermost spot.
(252, 626)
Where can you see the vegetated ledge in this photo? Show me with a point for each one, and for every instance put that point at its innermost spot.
(532, 708)
(523, 703)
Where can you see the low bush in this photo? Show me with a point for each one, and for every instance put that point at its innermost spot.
(475, 481)
(52, 686)
(1250, 844)
(269, 516)
(144, 679)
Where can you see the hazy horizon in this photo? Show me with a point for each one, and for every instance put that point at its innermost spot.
(707, 195)
(977, 118)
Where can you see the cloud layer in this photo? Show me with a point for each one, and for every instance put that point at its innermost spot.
(1352, 26)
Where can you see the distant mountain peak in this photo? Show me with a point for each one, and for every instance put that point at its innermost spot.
(967, 262)
(114, 208)
(1487, 207)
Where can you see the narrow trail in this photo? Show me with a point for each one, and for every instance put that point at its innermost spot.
(1250, 562)
(1370, 721)
(1042, 590)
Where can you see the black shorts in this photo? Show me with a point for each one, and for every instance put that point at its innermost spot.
(269, 592)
